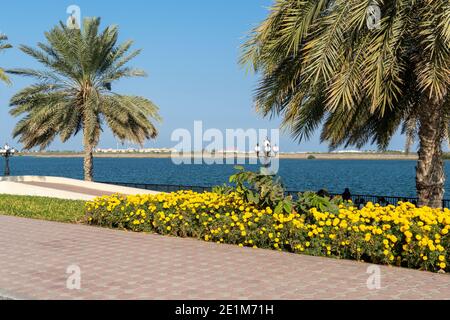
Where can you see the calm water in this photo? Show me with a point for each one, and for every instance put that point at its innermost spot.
(379, 177)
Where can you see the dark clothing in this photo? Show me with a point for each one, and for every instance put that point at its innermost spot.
(347, 196)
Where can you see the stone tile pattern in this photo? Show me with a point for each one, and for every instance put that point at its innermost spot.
(34, 256)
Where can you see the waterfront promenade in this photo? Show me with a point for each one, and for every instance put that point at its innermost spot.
(35, 256)
(62, 188)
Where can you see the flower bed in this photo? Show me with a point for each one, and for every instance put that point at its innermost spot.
(404, 235)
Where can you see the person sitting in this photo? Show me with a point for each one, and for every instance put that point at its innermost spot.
(383, 202)
(347, 196)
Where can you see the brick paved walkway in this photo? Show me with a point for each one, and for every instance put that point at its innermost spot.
(34, 256)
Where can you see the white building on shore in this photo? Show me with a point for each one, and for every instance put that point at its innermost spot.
(135, 150)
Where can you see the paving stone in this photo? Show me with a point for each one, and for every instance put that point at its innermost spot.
(35, 255)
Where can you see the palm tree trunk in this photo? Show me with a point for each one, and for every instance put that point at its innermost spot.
(430, 175)
(88, 162)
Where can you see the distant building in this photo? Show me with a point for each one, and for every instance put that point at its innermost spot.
(229, 151)
(133, 150)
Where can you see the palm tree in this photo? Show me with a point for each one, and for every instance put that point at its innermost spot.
(74, 91)
(322, 66)
(4, 46)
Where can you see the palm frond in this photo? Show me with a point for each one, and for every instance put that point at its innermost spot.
(73, 91)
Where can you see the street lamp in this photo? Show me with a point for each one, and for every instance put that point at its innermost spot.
(6, 153)
(257, 150)
(266, 156)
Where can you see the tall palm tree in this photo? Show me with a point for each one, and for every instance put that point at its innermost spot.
(74, 91)
(321, 65)
(3, 46)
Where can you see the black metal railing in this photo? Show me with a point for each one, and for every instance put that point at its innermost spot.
(384, 200)
(358, 199)
(160, 187)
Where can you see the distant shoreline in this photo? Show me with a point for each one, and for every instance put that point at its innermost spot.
(302, 156)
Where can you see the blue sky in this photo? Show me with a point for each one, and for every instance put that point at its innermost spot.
(190, 51)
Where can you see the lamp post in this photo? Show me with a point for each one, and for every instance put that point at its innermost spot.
(257, 150)
(7, 152)
(266, 158)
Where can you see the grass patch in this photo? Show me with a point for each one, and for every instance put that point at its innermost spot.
(42, 208)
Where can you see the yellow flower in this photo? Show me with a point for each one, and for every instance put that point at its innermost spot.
(224, 217)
